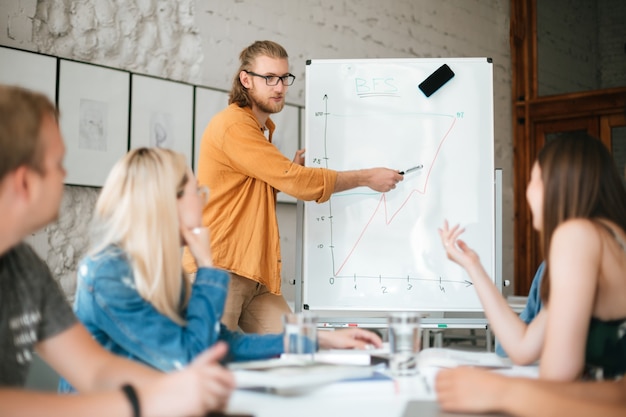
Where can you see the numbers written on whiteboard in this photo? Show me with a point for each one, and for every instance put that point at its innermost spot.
(384, 286)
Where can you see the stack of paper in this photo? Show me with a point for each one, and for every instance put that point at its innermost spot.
(290, 376)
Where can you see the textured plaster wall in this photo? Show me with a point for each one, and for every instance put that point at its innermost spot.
(199, 42)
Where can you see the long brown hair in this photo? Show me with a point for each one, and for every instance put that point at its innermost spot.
(580, 180)
(238, 93)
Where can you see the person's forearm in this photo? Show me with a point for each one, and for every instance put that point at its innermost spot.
(506, 325)
(606, 392)
(347, 180)
(118, 371)
(18, 403)
(554, 399)
(87, 366)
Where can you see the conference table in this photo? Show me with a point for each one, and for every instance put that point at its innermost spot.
(378, 395)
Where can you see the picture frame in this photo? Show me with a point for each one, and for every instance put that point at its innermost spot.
(29, 70)
(94, 106)
(208, 102)
(162, 114)
(286, 138)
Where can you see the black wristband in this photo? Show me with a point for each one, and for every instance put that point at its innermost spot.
(133, 399)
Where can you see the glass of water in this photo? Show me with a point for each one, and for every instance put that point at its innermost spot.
(404, 342)
(300, 334)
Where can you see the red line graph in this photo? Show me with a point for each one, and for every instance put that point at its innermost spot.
(383, 201)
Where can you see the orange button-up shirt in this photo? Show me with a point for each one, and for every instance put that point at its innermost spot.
(244, 171)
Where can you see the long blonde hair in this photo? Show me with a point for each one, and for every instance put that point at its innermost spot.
(137, 211)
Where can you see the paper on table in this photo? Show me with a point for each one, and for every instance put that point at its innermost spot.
(291, 377)
(451, 358)
(352, 356)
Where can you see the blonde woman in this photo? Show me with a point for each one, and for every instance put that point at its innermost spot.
(132, 293)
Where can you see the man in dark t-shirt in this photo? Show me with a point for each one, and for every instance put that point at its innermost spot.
(34, 315)
(32, 308)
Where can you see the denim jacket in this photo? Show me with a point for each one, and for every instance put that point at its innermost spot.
(108, 304)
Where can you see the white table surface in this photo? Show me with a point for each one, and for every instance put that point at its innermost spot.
(361, 398)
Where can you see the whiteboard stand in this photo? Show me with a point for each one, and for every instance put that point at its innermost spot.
(437, 322)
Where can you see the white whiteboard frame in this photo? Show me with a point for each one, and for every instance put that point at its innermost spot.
(353, 308)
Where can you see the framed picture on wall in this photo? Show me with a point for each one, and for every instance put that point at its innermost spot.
(94, 106)
(208, 103)
(29, 70)
(287, 138)
(162, 114)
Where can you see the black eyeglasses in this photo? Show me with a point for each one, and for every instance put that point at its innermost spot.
(272, 80)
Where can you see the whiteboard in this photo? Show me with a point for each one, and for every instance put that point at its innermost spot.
(369, 251)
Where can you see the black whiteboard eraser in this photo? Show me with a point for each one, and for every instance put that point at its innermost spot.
(436, 80)
(305, 307)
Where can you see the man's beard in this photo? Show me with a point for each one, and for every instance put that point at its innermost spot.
(264, 106)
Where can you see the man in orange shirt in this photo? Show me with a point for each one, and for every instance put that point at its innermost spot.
(244, 171)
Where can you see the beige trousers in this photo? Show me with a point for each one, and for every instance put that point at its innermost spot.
(252, 308)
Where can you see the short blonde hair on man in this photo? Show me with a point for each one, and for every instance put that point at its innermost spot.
(137, 211)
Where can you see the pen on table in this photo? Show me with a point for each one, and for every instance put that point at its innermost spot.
(415, 168)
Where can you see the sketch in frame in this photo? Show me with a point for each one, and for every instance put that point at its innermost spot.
(162, 114)
(92, 125)
(94, 106)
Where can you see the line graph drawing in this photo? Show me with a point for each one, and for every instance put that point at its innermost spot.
(383, 203)
(385, 208)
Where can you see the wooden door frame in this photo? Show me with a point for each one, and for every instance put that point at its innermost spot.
(596, 111)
